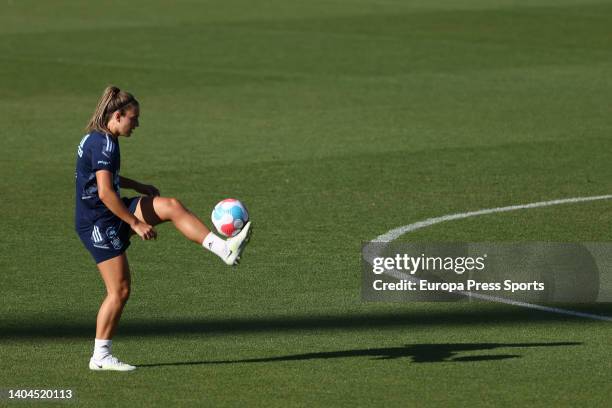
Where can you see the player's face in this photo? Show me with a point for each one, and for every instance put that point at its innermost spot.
(128, 122)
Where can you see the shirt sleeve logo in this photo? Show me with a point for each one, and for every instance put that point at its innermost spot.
(81, 144)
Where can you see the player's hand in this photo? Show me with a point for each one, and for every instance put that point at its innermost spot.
(144, 230)
(149, 190)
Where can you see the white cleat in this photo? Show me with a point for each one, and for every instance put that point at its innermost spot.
(109, 363)
(236, 245)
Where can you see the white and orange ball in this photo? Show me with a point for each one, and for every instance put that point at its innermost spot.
(229, 216)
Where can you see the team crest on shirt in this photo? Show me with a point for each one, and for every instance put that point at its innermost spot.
(111, 233)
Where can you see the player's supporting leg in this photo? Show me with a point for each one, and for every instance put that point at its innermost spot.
(115, 273)
(155, 210)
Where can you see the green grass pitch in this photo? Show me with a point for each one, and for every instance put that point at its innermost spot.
(334, 121)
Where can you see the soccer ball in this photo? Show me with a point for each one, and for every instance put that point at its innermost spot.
(229, 216)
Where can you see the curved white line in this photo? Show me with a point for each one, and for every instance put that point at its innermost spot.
(398, 232)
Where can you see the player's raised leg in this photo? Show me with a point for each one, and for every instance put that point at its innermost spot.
(155, 210)
(116, 275)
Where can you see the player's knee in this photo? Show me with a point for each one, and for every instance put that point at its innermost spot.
(174, 206)
(122, 293)
(173, 202)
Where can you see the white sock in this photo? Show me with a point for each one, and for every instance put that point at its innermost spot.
(102, 349)
(215, 245)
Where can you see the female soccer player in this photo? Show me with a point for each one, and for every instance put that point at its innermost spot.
(105, 222)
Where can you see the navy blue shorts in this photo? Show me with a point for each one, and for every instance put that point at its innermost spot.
(107, 239)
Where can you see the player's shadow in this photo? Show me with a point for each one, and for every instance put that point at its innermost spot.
(417, 353)
(53, 326)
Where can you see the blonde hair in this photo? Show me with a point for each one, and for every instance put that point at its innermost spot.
(113, 99)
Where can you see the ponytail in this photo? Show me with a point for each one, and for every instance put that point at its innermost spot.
(113, 99)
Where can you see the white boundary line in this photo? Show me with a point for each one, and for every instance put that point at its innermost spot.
(398, 232)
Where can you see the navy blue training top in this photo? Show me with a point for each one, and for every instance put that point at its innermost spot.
(97, 151)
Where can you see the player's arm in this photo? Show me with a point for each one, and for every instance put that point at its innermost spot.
(146, 189)
(112, 201)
